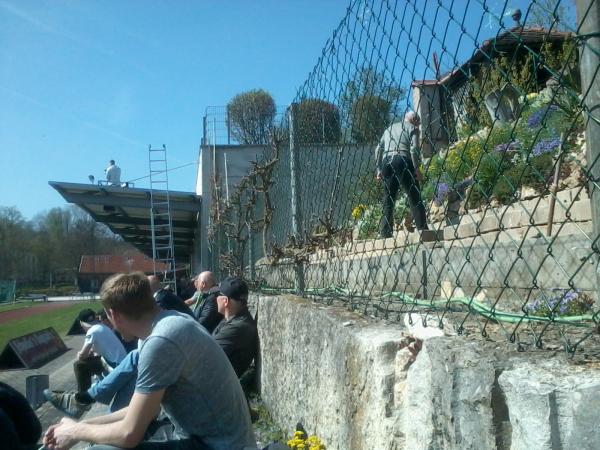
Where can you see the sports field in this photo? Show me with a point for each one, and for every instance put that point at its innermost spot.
(22, 318)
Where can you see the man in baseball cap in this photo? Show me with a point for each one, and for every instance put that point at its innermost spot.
(237, 333)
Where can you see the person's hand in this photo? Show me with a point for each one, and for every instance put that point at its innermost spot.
(418, 175)
(378, 175)
(60, 436)
(48, 439)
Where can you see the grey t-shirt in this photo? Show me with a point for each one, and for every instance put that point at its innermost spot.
(203, 396)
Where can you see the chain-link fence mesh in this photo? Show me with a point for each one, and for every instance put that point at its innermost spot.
(481, 217)
(7, 290)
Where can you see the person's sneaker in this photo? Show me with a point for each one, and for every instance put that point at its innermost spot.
(66, 402)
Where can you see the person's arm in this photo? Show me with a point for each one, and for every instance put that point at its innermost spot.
(379, 155)
(229, 337)
(210, 316)
(86, 350)
(415, 148)
(128, 431)
(107, 418)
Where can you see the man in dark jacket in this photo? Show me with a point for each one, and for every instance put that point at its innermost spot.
(204, 301)
(237, 333)
(166, 299)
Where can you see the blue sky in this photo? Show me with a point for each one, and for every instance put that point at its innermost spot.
(82, 82)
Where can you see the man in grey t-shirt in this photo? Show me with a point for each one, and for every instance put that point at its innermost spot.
(181, 368)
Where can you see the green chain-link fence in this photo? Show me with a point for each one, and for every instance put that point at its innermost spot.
(503, 163)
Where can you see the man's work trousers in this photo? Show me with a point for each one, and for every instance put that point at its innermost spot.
(398, 171)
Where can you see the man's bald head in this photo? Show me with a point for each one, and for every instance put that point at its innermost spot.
(205, 281)
(154, 283)
(413, 118)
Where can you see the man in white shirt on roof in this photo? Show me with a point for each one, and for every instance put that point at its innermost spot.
(113, 174)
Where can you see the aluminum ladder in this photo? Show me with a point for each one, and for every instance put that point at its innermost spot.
(163, 248)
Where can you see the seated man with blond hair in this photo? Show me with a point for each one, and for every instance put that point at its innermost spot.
(181, 369)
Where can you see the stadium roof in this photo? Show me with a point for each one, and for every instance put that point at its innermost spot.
(126, 211)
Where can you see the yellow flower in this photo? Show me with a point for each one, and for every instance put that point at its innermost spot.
(532, 95)
(358, 211)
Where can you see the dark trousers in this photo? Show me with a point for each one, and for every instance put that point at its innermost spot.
(398, 171)
(84, 369)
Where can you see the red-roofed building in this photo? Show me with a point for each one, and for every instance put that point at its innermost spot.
(94, 269)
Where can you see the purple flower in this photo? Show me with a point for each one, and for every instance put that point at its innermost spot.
(546, 146)
(441, 193)
(536, 118)
(508, 146)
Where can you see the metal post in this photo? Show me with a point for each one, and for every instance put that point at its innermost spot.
(295, 195)
(424, 278)
(228, 129)
(588, 19)
(251, 253)
(204, 139)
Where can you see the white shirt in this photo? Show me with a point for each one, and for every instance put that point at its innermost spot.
(105, 343)
(113, 175)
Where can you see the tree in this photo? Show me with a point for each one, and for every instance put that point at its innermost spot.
(552, 14)
(370, 102)
(370, 115)
(318, 122)
(251, 116)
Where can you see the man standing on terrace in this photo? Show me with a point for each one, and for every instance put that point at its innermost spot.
(181, 369)
(398, 158)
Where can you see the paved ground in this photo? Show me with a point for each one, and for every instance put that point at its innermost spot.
(60, 371)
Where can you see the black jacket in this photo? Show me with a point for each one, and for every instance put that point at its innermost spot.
(238, 337)
(207, 311)
(167, 300)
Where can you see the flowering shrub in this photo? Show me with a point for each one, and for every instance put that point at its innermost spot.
(367, 218)
(301, 442)
(441, 193)
(543, 113)
(508, 147)
(546, 146)
(358, 211)
(561, 302)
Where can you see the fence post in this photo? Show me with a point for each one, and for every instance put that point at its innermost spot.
(204, 130)
(251, 253)
(295, 196)
(228, 128)
(588, 19)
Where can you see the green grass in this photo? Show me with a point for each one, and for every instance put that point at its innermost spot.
(59, 319)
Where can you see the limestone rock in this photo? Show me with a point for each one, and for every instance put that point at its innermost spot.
(552, 406)
(447, 402)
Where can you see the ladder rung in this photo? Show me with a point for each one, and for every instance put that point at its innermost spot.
(157, 150)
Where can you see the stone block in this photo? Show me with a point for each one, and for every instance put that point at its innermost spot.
(552, 406)
(431, 235)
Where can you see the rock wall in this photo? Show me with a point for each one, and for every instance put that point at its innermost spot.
(354, 383)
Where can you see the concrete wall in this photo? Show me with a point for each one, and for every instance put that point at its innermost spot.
(212, 160)
(352, 381)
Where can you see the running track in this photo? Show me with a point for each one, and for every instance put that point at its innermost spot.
(22, 313)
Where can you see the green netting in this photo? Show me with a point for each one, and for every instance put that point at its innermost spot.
(7, 290)
(502, 170)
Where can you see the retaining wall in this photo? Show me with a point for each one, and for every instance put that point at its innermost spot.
(352, 381)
